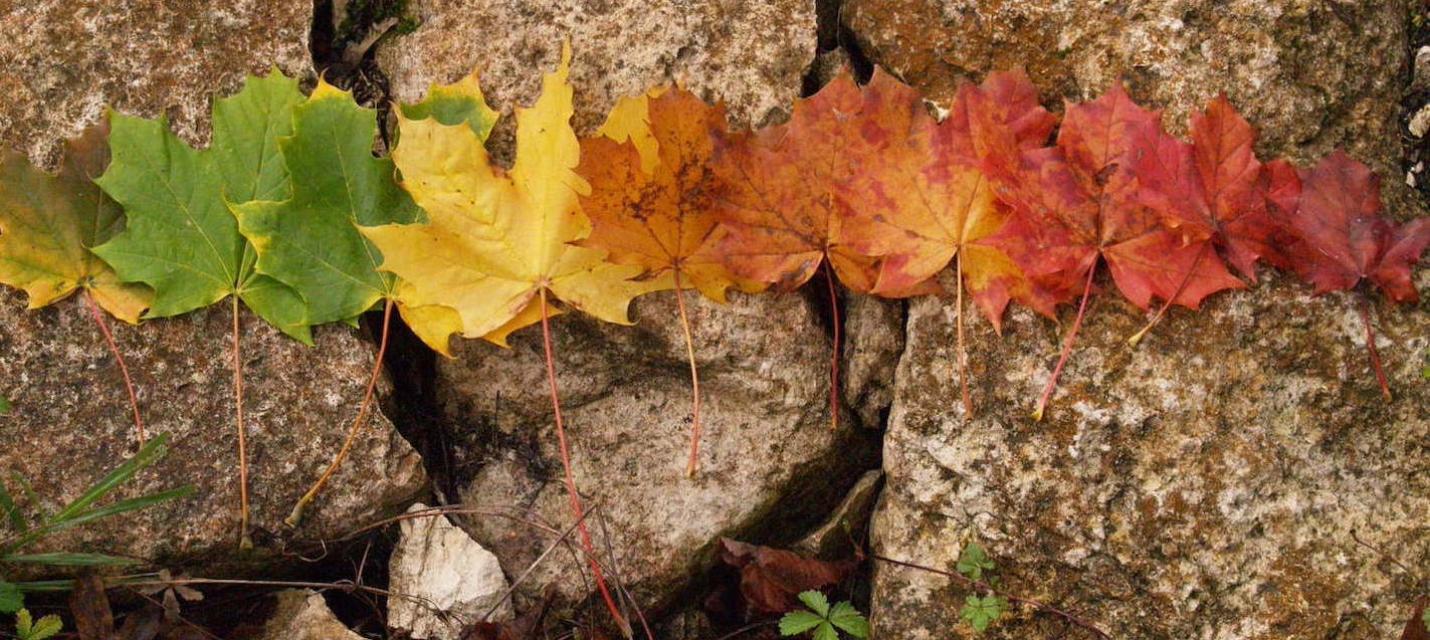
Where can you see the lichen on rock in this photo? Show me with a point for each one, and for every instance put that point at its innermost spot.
(1217, 482)
(65, 61)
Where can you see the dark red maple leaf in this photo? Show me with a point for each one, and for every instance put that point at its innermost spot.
(1344, 243)
(772, 579)
(1077, 204)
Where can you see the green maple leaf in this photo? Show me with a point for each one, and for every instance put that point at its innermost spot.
(981, 612)
(182, 240)
(309, 240)
(454, 104)
(973, 561)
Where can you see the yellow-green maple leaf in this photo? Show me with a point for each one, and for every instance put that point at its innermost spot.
(48, 223)
(496, 241)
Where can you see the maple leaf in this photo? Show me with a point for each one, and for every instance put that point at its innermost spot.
(1211, 188)
(650, 204)
(1076, 204)
(311, 241)
(1344, 242)
(497, 245)
(308, 239)
(925, 201)
(48, 224)
(461, 102)
(181, 237)
(775, 189)
(772, 579)
(496, 241)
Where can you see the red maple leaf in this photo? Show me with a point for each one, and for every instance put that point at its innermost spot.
(1078, 202)
(1212, 188)
(1343, 242)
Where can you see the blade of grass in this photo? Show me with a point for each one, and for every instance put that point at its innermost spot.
(70, 559)
(147, 455)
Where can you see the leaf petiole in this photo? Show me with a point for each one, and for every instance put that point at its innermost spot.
(695, 427)
(1067, 345)
(295, 517)
(98, 316)
(572, 493)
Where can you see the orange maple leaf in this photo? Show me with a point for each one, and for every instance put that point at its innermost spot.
(775, 189)
(650, 204)
(925, 201)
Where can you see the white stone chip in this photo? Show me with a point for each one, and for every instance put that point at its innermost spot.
(446, 580)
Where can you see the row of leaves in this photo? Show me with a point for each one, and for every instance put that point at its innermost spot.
(289, 212)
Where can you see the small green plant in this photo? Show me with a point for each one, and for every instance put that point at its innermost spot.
(18, 532)
(27, 628)
(981, 612)
(820, 620)
(973, 561)
(974, 564)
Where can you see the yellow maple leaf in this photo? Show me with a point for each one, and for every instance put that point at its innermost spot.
(496, 243)
(48, 223)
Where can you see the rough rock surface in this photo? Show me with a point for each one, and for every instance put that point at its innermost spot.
(1312, 76)
(847, 523)
(625, 395)
(875, 338)
(1211, 484)
(63, 61)
(71, 423)
(749, 53)
(446, 580)
(304, 615)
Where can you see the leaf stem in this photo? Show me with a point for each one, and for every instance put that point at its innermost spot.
(98, 316)
(244, 541)
(1067, 345)
(834, 357)
(572, 493)
(962, 348)
(296, 516)
(1167, 304)
(1370, 346)
(695, 426)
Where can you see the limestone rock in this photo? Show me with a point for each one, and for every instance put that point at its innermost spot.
(446, 580)
(304, 615)
(64, 61)
(1210, 484)
(749, 53)
(625, 391)
(71, 424)
(1311, 76)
